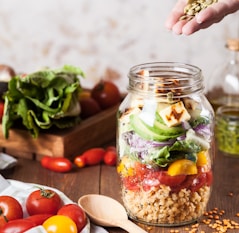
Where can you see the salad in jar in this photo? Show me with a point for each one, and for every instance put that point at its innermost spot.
(165, 158)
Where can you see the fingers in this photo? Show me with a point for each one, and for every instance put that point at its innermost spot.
(213, 13)
(175, 14)
(178, 27)
(204, 19)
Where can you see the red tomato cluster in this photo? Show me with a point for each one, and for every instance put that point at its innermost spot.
(147, 179)
(104, 94)
(44, 207)
(97, 155)
(90, 157)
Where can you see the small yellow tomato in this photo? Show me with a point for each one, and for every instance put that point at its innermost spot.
(182, 167)
(126, 167)
(60, 224)
(202, 158)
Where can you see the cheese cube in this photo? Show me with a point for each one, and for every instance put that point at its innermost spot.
(174, 114)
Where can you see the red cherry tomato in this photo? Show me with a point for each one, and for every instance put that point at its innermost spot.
(45, 161)
(106, 93)
(74, 212)
(94, 156)
(195, 182)
(17, 226)
(110, 157)
(89, 107)
(39, 219)
(43, 201)
(10, 209)
(1, 110)
(168, 180)
(209, 178)
(80, 161)
(56, 164)
(160, 177)
(198, 182)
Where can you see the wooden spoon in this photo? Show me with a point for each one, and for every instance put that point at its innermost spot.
(108, 212)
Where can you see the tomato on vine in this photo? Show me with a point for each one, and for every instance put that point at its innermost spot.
(43, 201)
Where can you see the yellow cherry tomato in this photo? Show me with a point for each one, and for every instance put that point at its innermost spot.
(202, 158)
(126, 167)
(60, 224)
(182, 167)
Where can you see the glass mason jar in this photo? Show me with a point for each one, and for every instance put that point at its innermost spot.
(165, 144)
(223, 86)
(227, 130)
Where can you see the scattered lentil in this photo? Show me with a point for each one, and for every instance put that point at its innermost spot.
(214, 220)
(230, 194)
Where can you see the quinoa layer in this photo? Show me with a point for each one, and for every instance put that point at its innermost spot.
(160, 206)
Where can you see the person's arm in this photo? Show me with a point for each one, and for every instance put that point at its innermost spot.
(204, 19)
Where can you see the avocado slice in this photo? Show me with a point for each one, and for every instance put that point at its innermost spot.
(165, 130)
(158, 132)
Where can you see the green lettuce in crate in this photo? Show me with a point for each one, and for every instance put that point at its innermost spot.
(43, 99)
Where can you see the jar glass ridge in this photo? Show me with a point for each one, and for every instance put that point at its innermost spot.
(187, 79)
(165, 144)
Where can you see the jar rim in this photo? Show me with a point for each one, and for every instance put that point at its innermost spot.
(161, 78)
(230, 112)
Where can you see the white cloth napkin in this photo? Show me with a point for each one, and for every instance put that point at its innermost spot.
(21, 190)
(6, 161)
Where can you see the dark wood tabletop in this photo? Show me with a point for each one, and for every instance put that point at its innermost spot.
(103, 179)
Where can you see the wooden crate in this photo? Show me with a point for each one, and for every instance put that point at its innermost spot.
(95, 131)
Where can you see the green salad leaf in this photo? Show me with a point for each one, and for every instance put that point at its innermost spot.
(42, 99)
(179, 150)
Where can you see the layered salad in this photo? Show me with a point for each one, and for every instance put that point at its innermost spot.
(165, 164)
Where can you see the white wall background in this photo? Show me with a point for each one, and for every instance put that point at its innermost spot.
(103, 36)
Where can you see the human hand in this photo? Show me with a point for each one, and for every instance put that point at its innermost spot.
(204, 19)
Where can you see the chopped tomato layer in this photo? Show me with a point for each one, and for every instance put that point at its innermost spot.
(145, 178)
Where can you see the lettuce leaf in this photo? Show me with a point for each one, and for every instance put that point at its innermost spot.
(162, 155)
(179, 150)
(43, 99)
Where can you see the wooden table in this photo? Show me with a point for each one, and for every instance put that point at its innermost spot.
(103, 179)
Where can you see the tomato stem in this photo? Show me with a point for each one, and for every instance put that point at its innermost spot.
(46, 193)
(100, 86)
(4, 216)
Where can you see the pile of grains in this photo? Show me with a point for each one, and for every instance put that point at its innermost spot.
(161, 206)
